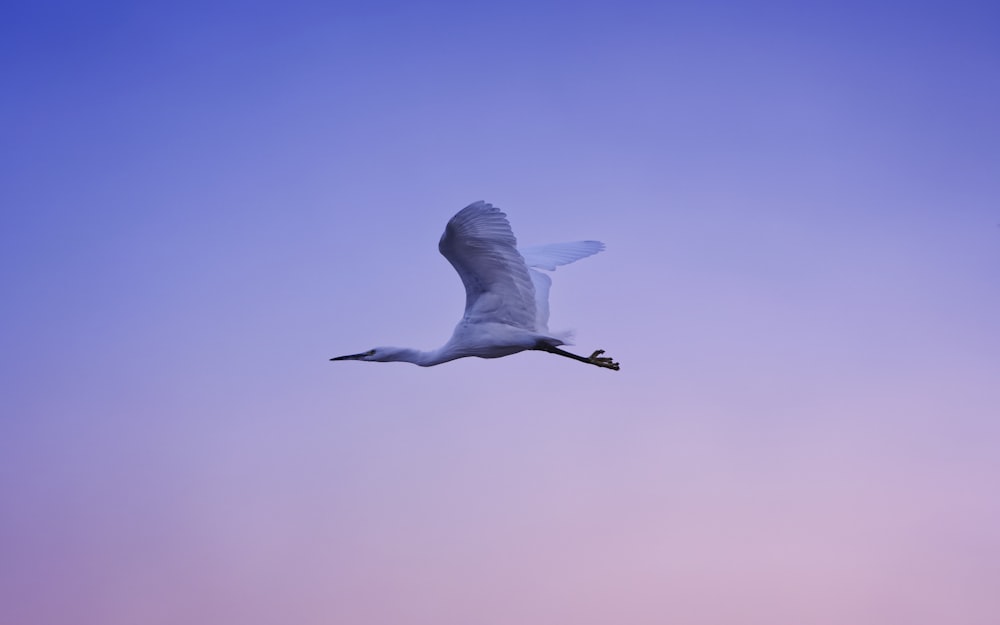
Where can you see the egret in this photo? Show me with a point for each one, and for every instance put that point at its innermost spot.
(506, 296)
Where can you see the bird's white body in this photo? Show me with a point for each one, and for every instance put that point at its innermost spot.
(488, 339)
(507, 296)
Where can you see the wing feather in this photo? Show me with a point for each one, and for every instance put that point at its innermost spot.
(541, 282)
(480, 245)
(554, 254)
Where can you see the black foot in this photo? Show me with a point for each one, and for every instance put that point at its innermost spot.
(607, 363)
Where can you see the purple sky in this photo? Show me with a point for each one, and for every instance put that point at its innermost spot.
(202, 205)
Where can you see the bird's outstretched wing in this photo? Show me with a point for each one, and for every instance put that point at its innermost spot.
(480, 245)
(549, 257)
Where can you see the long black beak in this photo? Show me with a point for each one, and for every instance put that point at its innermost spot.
(351, 357)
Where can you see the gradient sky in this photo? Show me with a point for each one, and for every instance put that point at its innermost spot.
(202, 204)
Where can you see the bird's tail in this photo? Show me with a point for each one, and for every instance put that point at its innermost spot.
(564, 337)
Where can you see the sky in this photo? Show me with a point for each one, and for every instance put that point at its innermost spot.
(203, 203)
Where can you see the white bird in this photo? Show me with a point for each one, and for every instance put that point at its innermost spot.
(506, 297)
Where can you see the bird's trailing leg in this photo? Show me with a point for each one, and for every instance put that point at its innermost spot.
(593, 359)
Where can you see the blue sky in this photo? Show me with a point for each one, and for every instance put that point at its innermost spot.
(204, 203)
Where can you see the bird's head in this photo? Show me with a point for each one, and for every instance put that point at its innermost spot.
(377, 354)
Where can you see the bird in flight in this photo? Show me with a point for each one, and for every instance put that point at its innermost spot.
(506, 296)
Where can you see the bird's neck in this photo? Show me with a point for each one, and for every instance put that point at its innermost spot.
(420, 357)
